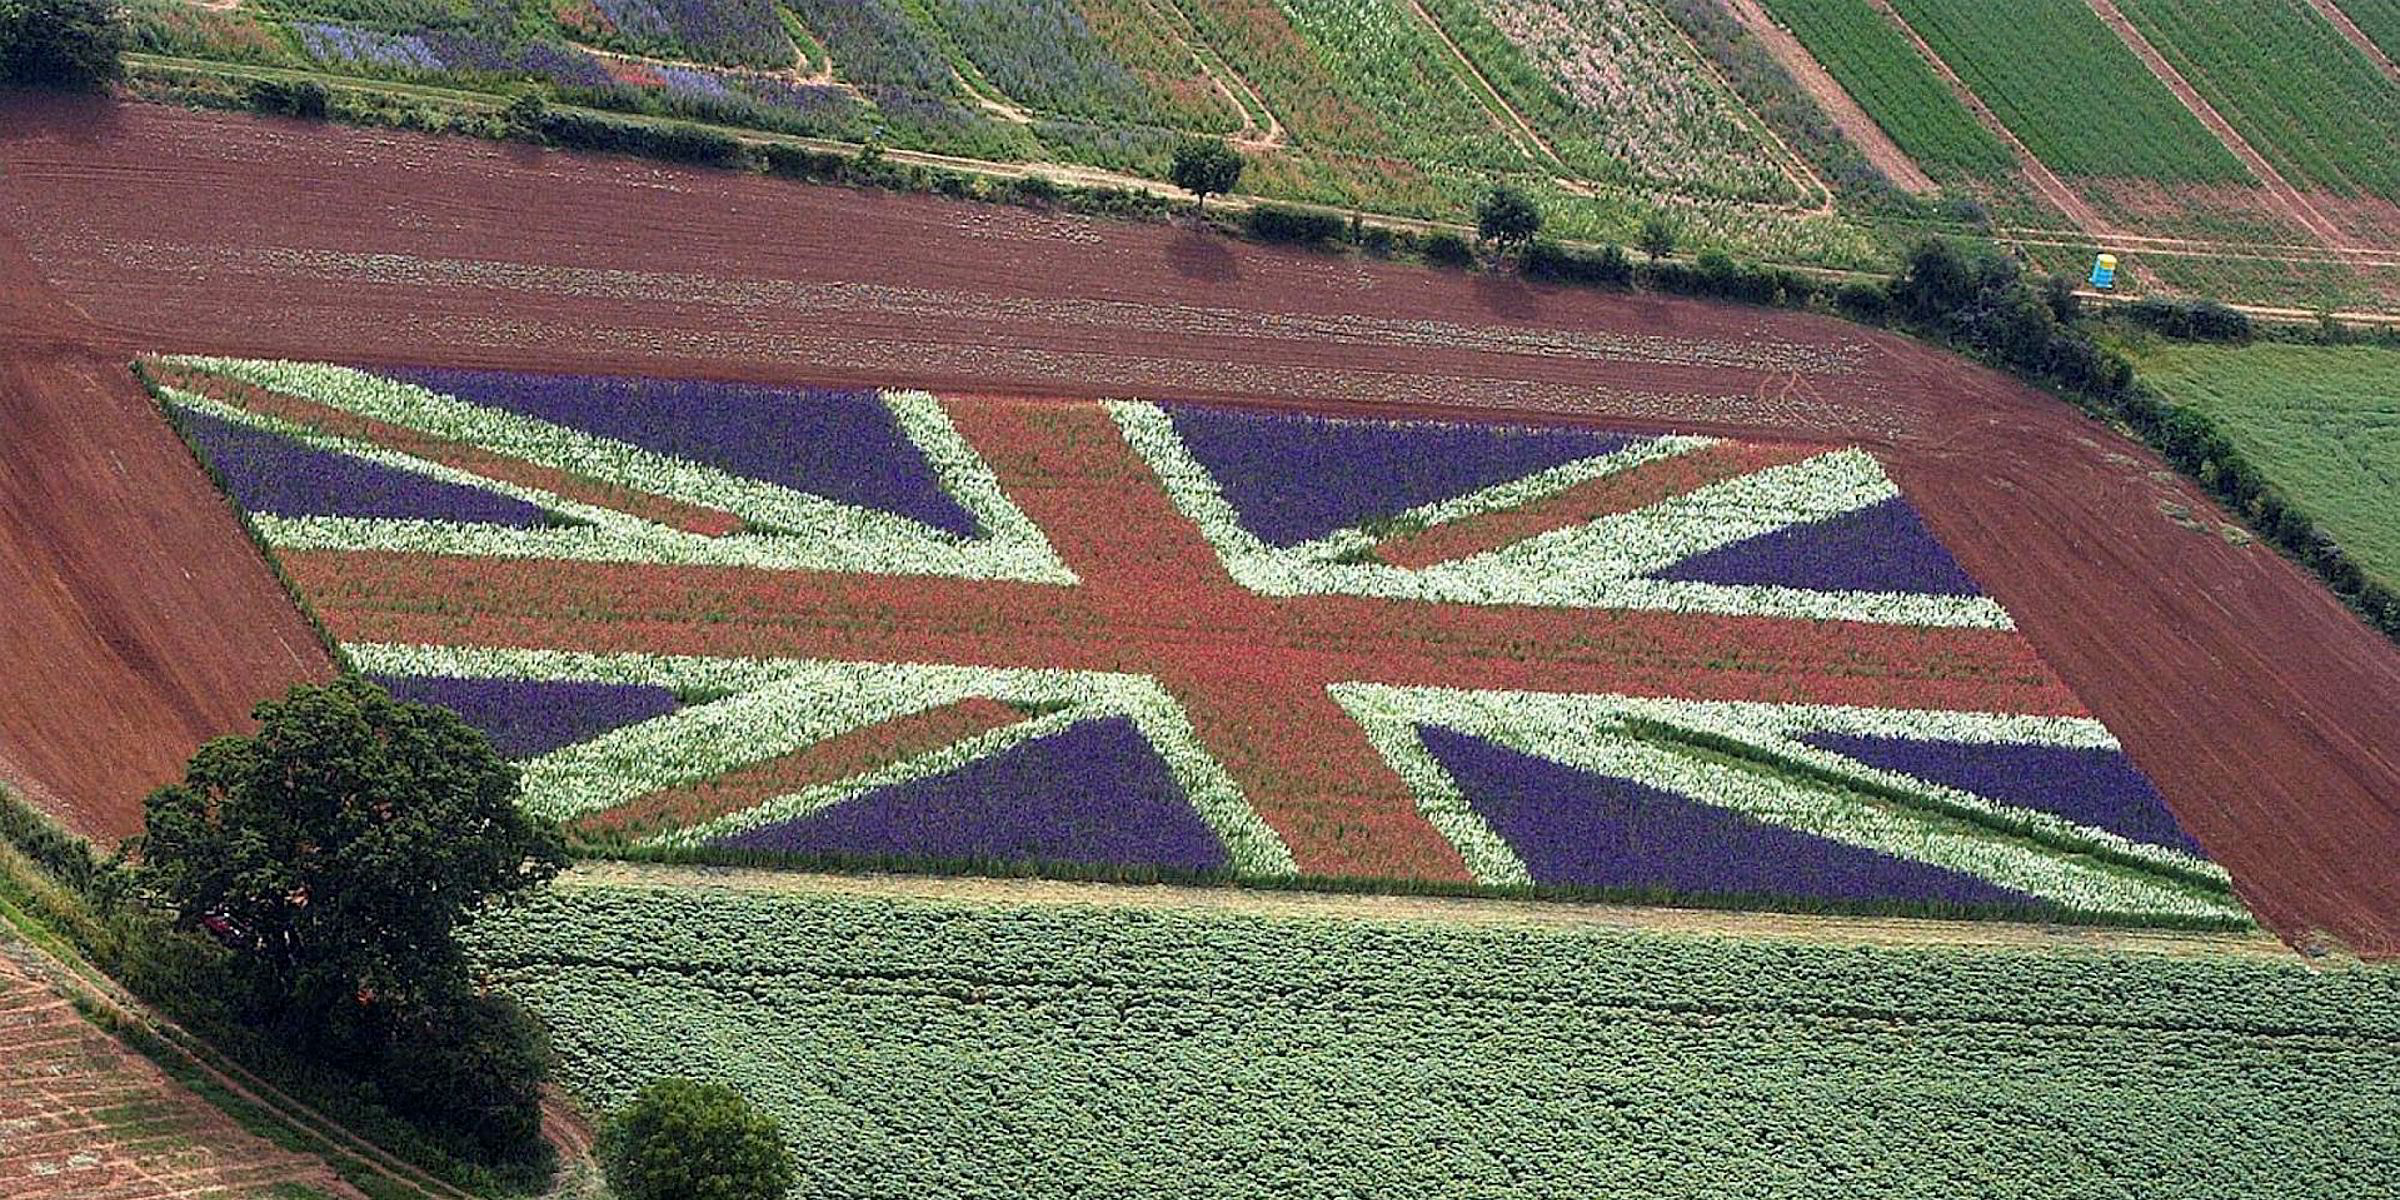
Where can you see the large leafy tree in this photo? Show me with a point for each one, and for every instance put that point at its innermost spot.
(74, 44)
(351, 838)
(1205, 167)
(1506, 217)
(681, 1140)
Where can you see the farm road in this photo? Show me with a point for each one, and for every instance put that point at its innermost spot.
(1444, 910)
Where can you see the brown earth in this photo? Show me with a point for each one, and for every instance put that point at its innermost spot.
(2268, 714)
(139, 621)
(84, 1118)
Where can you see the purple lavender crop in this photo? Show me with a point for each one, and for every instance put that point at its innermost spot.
(686, 81)
(877, 45)
(842, 445)
(1096, 793)
(1884, 547)
(818, 100)
(727, 31)
(562, 65)
(2100, 788)
(1294, 478)
(1580, 828)
(270, 473)
(526, 717)
(1043, 53)
(342, 44)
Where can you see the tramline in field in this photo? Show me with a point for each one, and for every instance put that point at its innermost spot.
(1158, 638)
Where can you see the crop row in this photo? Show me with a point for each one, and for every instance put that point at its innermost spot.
(952, 1048)
(1875, 63)
(2299, 92)
(1047, 56)
(2071, 91)
(2379, 20)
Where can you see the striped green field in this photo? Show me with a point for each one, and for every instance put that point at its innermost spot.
(2322, 422)
(982, 1046)
(2379, 19)
(2071, 91)
(2297, 90)
(1873, 61)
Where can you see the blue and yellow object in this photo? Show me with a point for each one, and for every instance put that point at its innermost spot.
(2104, 272)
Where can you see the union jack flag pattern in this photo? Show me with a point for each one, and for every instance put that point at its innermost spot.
(863, 626)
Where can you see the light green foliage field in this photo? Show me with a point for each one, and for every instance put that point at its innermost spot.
(2323, 422)
(1871, 59)
(919, 1048)
(1617, 95)
(2070, 90)
(2298, 91)
(2378, 19)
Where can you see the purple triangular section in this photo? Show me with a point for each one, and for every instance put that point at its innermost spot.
(1582, 828)
(1883, 547)
(2100, 788)
(843, 445)
(1293, 478)
(526, 717)
(1095, 793)
(269, 473)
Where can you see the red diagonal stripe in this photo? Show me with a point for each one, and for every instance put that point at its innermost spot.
(1590, 500)
(834, 759)
(691, 518)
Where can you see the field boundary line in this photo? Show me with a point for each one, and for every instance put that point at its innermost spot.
(1176, 24)
(1840, 107)
(1529, 140)
(2341, 21)
(1472, 911)
(2288, 197)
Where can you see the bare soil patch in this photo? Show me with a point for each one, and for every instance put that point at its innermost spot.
(2268, 715)
(140, 619)
(82, 1116)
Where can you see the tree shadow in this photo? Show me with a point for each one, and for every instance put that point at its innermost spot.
(78, 120)
(1508, 295)
(1204, 257)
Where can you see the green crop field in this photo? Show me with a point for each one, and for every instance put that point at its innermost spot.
(2298, 91)
(1010, 1049)
(1886, 75)
(1377, 60)
(2064, 84)
(2322, 422)
(2380, 19)
(1613, 90)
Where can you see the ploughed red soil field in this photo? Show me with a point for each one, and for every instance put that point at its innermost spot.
(2266, 713)
(132, 624)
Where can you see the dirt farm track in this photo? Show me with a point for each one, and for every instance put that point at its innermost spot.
(138, 619)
